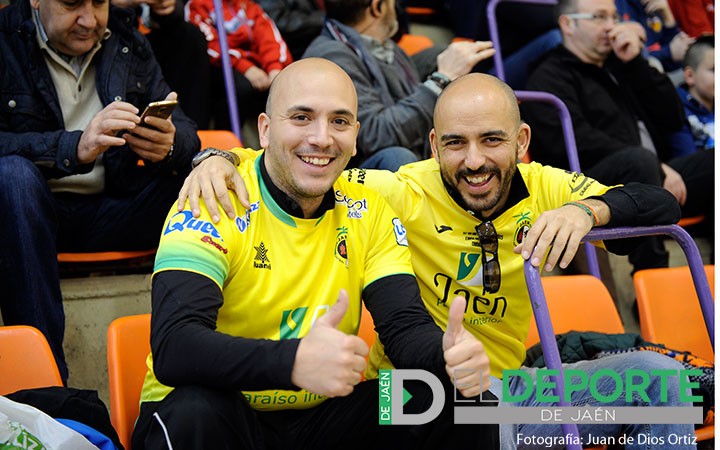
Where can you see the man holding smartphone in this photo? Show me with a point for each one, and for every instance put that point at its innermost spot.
(75, 77)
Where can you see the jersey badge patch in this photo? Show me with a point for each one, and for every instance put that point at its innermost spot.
(523, 226)
(341, 250)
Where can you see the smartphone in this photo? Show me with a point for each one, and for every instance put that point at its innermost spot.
(161, 109)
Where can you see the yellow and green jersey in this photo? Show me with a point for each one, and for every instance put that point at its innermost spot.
(279, 273)
(447, 256)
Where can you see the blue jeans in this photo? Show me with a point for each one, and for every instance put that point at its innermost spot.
(389, 158)
(509, 434)
(37, 223)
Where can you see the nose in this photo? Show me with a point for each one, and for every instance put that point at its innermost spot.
(87, 15)
(475, 157)
(320, 135)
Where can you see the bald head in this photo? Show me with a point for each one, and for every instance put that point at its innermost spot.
(478, 89)
(306, 73)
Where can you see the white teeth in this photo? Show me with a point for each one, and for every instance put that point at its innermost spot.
(316, 161)
(478, 179)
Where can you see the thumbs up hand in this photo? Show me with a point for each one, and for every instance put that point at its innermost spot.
(329, 362)
(466, 362)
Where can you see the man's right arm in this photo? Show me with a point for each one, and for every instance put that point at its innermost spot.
(187, 349)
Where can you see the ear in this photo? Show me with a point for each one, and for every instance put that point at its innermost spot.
(689, 76)
(264, 130)
(434, 145)
(357, 130)
(34, 4)
(566, 24)
(376, 8)
(523, 141)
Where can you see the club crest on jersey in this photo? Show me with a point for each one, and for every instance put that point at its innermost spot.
(184, 220)
(262, 260)
(341, 250)
(356, 208)
(523, 226)
(470, 269)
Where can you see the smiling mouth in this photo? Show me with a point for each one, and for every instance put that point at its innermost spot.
(478, 179)
(315, 161)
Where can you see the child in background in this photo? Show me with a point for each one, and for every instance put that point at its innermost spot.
(257, 50)
(698, 96)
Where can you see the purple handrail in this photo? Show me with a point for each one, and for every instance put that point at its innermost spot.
(494, 35)
(230, 92)
(542, 315)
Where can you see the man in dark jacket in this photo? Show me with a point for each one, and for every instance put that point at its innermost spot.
(73, 80)
(622, 111)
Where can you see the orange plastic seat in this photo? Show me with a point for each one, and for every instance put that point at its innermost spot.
(690, 221)
(579, 303)
(413, 44)
(128, 345)
(670, 311)
(367, 327)
(26, 360)
(222, 139)
(670, 315)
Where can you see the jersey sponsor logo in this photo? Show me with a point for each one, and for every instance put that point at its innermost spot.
(209, 240)
(358, 174)
(470, 269)
(442, 228)
(400, 232)
(184, 220)
(341, 251)
(579, 183)
(292, 320)
(524, 224)
(243, 222)
(490, 309)
(262, 261)
(356, 208)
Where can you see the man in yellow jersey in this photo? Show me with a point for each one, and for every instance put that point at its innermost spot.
(474, 216)
(254, 324)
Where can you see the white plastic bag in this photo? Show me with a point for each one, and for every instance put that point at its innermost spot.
(24, 427)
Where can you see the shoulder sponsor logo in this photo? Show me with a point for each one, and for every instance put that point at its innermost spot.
(243, 222)
(209, 240)
(579, 183)
(262, 260)
(356, 208)
(442, 228)
(184, 220)
(341, 250)
(400, 232)
(356, 176)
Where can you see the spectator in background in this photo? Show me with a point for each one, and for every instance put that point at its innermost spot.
(299, 22)
(622, 112)
(698, 96)
(695, 17)
(257, 52)
(395, 104)
(181, 50)
(664, 40)
(74, 80)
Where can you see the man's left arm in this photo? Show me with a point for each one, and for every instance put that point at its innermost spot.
(558, 232)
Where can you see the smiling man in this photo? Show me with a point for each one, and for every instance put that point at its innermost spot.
(254, 320)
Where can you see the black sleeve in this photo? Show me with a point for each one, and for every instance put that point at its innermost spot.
(411, 338)
(638, 204)
(187, 349)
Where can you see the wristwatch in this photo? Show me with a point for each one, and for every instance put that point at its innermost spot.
(208, 152)
(440, 79)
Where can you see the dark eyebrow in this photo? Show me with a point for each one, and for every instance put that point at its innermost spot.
(450, 137)
(307, 109)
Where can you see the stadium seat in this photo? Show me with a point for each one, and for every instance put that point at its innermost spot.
(413, 44)
(669, 310)
(367, 327)
(26, 360)
(128, 345)
(222, 139)
(579, 303)
(670, 315)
